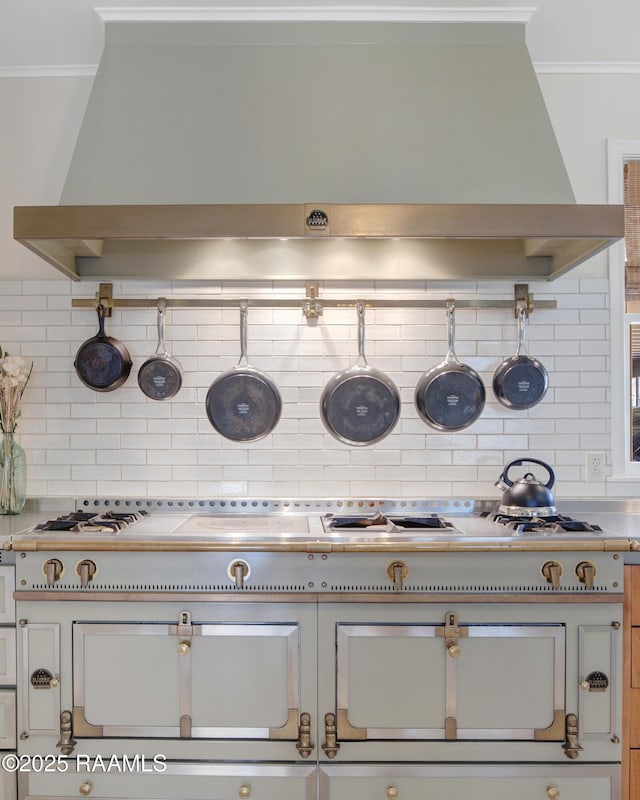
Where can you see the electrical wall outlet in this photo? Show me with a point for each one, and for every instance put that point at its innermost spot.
(595, 466)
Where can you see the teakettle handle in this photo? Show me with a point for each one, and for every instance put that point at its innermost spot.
(519, 462)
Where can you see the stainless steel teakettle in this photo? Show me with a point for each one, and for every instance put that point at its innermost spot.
(527, 496)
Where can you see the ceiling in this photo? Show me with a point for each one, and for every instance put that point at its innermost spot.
(68, 32)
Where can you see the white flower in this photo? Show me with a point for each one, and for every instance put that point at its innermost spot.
(15, 372)
(15, 365)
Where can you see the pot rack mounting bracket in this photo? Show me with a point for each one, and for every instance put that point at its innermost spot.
(523, 299)
(311, 304)
(104, 298)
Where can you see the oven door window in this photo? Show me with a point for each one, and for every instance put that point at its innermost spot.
(212, 681)
(494, 682)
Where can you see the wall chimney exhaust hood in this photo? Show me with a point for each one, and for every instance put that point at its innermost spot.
(316, 150)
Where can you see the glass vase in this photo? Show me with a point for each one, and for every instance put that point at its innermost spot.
(13, 475)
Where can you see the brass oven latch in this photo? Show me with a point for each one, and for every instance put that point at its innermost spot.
(331, 744)
(184, 630)
(571, 746)
(304, 745)
(66, 742)
(451, 632)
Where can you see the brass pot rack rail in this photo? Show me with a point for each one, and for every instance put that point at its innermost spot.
(311, 304)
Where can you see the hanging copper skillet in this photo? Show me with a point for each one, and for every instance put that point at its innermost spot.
(102, 362)
(243, 404)
(360, 405)
(450, 396)
(160, 377)
(520, 381)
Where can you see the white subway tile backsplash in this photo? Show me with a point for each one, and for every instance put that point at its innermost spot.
(121, 443)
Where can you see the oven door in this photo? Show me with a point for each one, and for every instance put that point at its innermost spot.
(189, 680)
(402, 674)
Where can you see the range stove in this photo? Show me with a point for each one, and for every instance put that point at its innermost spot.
(324, 635)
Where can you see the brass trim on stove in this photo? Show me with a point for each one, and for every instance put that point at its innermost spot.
(346, 731)
(83, 728)
(316, 597)
(185, 726)
(289, 730)
(85, 544)
(554, 732)
(450, 728)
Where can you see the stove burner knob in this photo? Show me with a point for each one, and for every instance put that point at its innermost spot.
(238, 570)
(183, 648)
(85, 570)
(552, 571)
(53, 570)
(398, 572)
(392, 793)
(586, 572)
(553, 793)
(244, 792)
(85, 788)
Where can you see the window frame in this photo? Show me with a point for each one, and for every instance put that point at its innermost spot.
(618, 152)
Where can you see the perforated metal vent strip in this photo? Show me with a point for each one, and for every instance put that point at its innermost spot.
(168, 587)
(466, 589)
(262, 505)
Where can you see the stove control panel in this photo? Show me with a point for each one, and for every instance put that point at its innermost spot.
(457, 572)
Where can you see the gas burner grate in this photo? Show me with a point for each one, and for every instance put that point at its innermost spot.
(556, 523)
(379, 521)
(91, 521)
(422, 523)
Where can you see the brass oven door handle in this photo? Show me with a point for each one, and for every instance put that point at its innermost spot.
(331, 744)
(304, 745)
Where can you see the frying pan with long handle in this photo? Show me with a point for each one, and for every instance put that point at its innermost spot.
(160, 377)
(360, 405)
(102, 362)
(243, 404)
(451, 395)
(520, 381)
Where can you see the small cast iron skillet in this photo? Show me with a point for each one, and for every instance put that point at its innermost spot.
(160, 377)
(520, 381)
(102, 362)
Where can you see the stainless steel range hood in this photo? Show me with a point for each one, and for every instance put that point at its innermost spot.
(316, 151)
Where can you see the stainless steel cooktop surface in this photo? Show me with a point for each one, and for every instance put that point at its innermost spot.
(341, 524)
